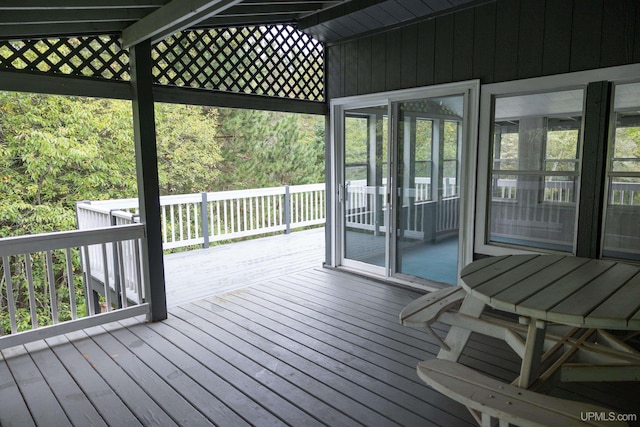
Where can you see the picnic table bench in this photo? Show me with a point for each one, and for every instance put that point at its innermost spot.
(494, 400)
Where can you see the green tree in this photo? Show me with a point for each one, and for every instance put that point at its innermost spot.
(189, 154)
(263, 149)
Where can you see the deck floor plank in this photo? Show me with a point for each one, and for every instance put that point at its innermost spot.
(235, 402)
(396, 389)
(139, 403)
(326, 384)
(153, 350)
(332, 372)
(204, 347)
(69, 395)
(153, 385)
(13, 408)
(345, 411)
(258, 334)
(95, 390)
(39, 398)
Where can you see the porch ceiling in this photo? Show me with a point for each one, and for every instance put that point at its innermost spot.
(136, 20)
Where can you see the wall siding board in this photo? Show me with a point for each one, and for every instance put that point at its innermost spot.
(364, 65)
(485, 39)
(618, 25)
(557, 37)
(409, 57)
(586, 34)
(506, 51)
(494, 42)
(531, 39)
(351, 68)
(426, 53)
(394, 60)
(378, 58)
(463, 42)
(335, 73)
(444, 49)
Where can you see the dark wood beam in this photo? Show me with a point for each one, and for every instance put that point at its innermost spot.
(80, 4)
(173, 17)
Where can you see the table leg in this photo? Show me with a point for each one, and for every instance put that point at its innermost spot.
(531, 362)
(457, 337)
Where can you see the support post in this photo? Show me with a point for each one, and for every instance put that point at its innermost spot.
(592, 183)
(204, 220)
(147, 173)
(287, 210)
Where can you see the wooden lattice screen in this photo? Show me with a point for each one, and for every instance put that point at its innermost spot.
(275, 61)
(98, 57)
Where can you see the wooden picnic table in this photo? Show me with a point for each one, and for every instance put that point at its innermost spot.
(563, 305)
(567, 290)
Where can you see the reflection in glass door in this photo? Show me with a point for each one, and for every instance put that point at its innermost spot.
(429, 138)
(364, 186)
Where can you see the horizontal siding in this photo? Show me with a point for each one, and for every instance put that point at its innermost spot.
(494, 42)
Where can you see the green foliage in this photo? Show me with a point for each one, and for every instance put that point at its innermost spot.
(188, 151)
(264, 149)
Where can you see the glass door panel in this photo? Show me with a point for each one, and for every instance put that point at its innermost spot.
(364, 185)
(428, 195)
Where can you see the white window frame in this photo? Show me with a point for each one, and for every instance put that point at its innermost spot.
(522, 87)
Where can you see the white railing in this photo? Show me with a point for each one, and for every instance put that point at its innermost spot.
(624, 194)
(621, 193)
(201, 218)
(46, 292)
(364, 208)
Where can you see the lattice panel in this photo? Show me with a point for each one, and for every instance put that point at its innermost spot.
(275, 61)
(98, 57)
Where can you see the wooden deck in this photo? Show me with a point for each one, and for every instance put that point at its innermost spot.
(300, 346)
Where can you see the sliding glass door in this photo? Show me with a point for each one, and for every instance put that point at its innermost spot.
(364, 186)
(428, 151)
(400, 178)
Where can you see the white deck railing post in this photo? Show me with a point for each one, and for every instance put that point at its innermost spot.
(204, 220)
(287, 210)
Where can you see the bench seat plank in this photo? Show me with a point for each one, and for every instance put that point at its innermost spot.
(503, 401)
(425, 310)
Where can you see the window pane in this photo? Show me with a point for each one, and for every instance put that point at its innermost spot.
(519, 218)
(622, 222)
(423, 163)
(535, 169)
(505, 148)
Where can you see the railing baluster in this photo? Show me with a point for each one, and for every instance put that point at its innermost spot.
(72, 286)
(188, 208)
(52, 288)
(180, 207)
(123, 287)
(10, 299)
(105, 268)
(88, 291)
(218, 219)
(32, 294)
(244, 213)
(173, 226)
(164, 223)
(139, 289)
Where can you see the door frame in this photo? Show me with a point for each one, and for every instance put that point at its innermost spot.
(471, 92)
